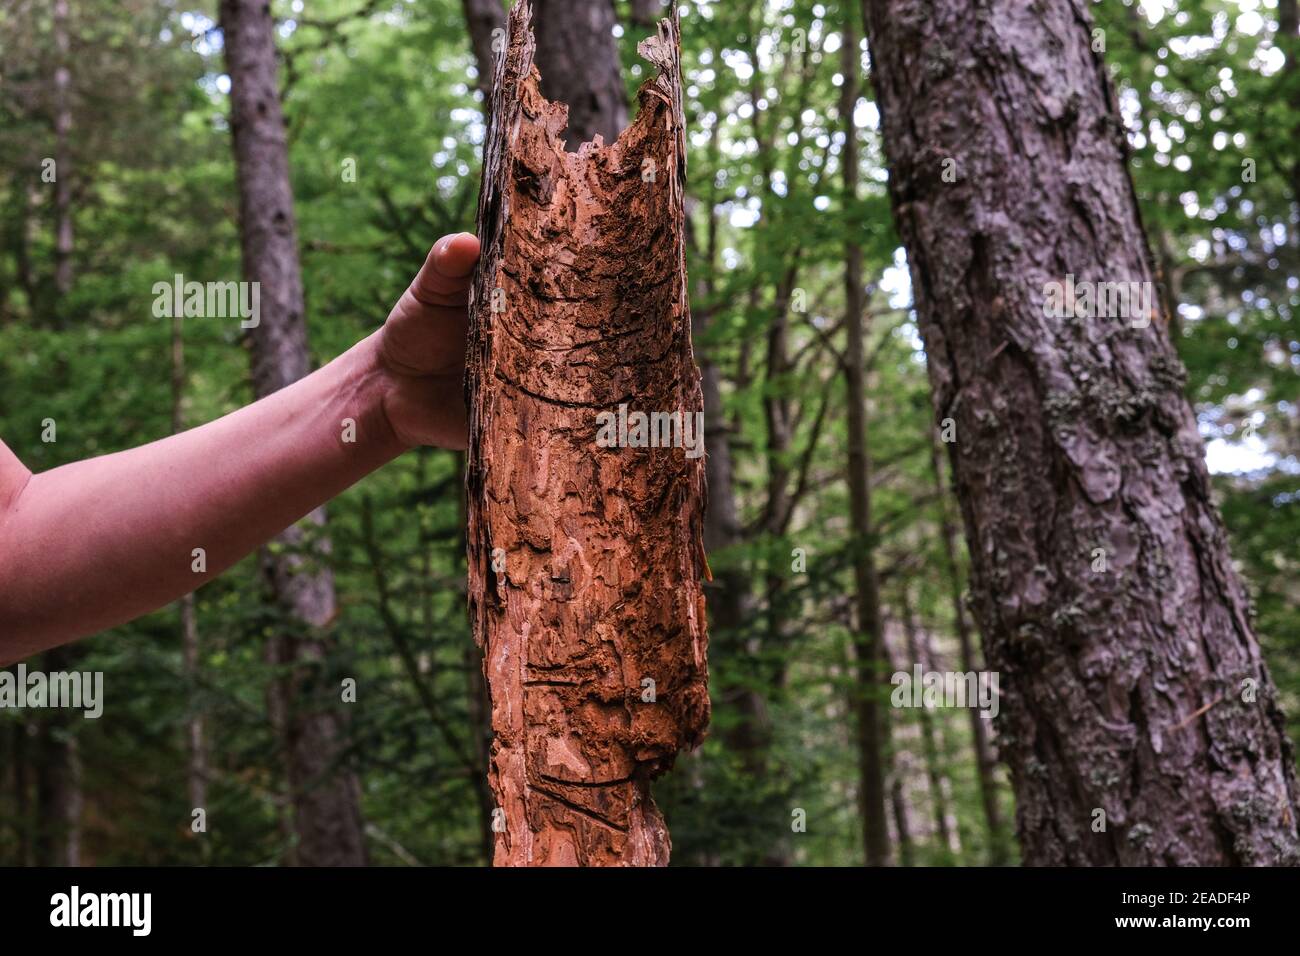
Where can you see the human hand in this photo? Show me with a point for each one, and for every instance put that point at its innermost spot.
(421, 348)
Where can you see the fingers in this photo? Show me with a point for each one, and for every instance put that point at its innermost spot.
(444, 279)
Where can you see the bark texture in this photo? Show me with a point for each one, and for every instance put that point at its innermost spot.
(585, 562)
(579, 64)
(327, 820)
(1138, 690)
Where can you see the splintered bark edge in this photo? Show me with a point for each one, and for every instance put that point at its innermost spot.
(585, 562)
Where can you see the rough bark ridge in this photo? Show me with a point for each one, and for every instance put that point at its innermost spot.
(584, 562)
(1122, 689)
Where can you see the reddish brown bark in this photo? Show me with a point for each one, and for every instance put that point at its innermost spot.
(584, 562)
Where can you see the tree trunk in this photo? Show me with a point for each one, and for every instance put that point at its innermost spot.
(645, 12)
(898, 762)
(902, 818)
(1137, 716)
(979, 726)
(59, 798)
(59, 794)
(62, 165)
(1288, 39)
(197, 770)
(584, 560)
(23, 824)
(477, 704)
(730, 599)
(916, 654)
(872, 728)
(485, 18)
(578, 59)
(327, 816)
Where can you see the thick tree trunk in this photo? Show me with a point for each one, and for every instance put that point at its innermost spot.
(578, 59)
(584, 560)
(1134, 687)
(867, 639)
(327, 815)
(979, 726)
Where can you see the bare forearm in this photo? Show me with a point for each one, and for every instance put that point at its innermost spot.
(95, 543)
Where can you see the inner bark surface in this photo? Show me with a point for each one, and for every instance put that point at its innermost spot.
(585, 561)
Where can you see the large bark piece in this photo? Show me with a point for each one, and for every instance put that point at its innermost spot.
(585, 562)
(1138, 690)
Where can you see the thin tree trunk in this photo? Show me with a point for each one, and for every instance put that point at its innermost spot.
(59, 797)
(730, 598)
(197, 769)
(327, 817)
(730, 595)
(59, 794)
(929, 737)
(22, 800)
(979, 726)
(1137, 715)
(867, 639)
(584, 560)
(579, 63)
(902, 818)
(63, 241)
(899, 762)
